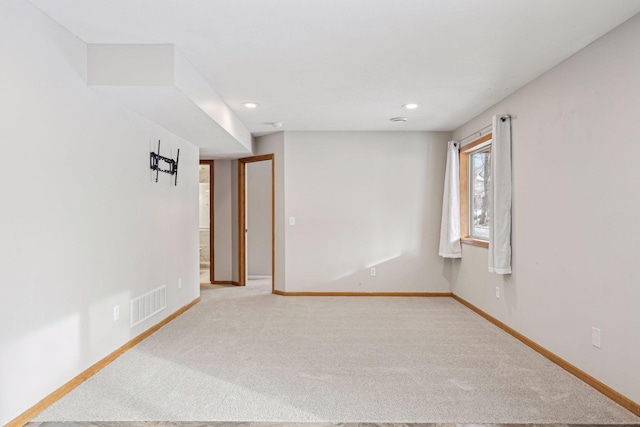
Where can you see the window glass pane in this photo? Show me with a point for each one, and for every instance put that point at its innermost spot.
(480, 172)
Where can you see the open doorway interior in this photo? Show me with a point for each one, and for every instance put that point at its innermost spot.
(256, 192)
(259, 221)
(205, 233)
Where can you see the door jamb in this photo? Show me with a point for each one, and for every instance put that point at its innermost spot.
(242, 207)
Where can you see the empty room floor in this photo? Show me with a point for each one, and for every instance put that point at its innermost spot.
(243, 354)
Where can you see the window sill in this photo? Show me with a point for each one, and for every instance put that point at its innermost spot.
(474, 242)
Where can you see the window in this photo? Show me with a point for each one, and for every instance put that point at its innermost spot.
(475, 186)
(480, 183)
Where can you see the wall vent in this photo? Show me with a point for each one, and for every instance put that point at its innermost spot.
(147, 305)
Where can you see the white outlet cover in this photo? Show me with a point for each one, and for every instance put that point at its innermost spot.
(497, 292)
(373, 271)
(116, 313)
(292, 220)
(180, 283)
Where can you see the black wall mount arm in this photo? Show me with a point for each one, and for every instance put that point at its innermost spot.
(171, 165)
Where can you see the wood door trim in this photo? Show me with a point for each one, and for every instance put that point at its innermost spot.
(242, 226)
(211, 222)
(254, 159)
(242, 207)
(273, 223)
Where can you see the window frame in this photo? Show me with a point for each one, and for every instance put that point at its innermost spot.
(465, 191)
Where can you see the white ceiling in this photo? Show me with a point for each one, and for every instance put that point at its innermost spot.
(351, 64)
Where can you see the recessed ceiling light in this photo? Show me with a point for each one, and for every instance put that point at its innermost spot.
(400, 120)
(410, 106)
(250, 104)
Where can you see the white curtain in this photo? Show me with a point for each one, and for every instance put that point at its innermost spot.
(500, 198)
(450, 224)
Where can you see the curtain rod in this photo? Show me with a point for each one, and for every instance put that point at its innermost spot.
(479, 132)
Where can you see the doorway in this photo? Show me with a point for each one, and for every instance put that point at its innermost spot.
(205, 231)
(256, 236)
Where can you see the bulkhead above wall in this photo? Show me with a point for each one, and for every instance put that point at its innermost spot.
(159, 83)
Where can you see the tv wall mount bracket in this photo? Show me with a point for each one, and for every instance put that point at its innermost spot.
(170, 164)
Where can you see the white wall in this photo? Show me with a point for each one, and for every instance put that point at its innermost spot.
(130, 64)
(223, 220)
(575, 212)
(362, 200)
(259, 218)
(83, 225)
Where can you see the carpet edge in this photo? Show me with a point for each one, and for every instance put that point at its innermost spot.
(362, 294)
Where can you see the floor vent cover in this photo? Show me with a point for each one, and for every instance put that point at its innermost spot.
(147, 305)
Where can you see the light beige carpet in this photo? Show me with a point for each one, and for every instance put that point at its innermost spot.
(243, 354)
(204, 275)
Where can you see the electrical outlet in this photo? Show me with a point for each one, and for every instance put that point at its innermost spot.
(180, 283)
(498, 292)
(292, 220)
(595, 337)
(116, 313)
(373, 271)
